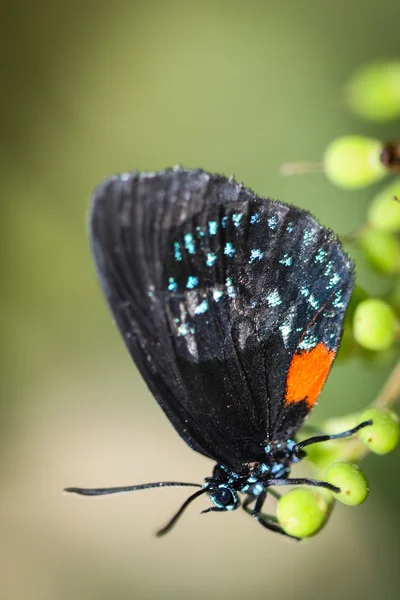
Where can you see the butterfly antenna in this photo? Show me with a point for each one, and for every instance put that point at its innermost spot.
(127, 488)
(174, 519)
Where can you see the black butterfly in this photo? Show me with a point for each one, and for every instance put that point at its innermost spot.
(232, 308)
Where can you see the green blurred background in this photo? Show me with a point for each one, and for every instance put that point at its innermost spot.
(90, 88)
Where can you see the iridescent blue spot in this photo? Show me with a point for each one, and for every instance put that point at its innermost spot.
(267, 448)
(172, 285)
(177, 251)
(230, 288)
(264, 468)
(276, 469)
(289, 227)
(274, 299)
(200, 232)
(313, 301)
(184, 329)
(308, 342)
(236, 218)
(285, 330)
(328, 268)
(201, 308)
(189, 243)
(256, 254)
(272, 222)
(253, 304)
(307, 238)
(211, 258)
(304, 291)
(257, 489)
(338, 302)
(192, 282)
(333, 281)
(255, 218)
(217, 295)
(320, 256)
(212, 227)
(229, 250)
(224, 221)
(286, 260)
(291, 444)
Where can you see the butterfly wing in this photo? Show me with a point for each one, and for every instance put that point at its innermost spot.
(219, 296)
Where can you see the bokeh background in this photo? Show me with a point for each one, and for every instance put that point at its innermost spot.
(90, 88)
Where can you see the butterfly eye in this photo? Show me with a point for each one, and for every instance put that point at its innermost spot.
(224, 497)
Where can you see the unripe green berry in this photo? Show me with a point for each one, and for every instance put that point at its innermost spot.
(351, 481)
(374, 91)
(383, 435)
(301, 512)
(382, 250)
(384, 210)
(374, 324)
(353, 161)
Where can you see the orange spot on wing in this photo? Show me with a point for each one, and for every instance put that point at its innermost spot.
(307, 374)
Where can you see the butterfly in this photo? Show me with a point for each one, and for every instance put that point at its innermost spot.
(232, 308)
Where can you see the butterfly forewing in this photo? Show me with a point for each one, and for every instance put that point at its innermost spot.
(220, 296)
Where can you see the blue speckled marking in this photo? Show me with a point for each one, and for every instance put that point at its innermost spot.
(172, 285)
(333, 281)
(184, 329)
(328, 268)
(224, 221)
(257, 489)
(200, 232)
(289, 227)
(274, 299)
(338, 302)
(320, 256)
(212, 227)
(201, 308)
(177, 251)
(255, 218)
(304, 291)
(256, 254)
(211, 258)
(253, 304)
(236, 219)
(192, 282)
(189, 243)
(286, 260)
(217, 295)
(313, 301)
(267, 448)
(229, 250)
(308, 342)
(307, 238)
(230, 288)
(272, 222)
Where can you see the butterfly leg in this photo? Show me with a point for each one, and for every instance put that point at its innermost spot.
(267, 521)
(324, 438)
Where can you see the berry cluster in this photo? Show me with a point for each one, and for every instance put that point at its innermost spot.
(372, 323)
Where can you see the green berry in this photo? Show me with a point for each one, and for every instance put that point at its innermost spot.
(374, 91)
(382, 250)
(383, 435)
(353, 161)
(351, 481)
(384, 210)
(301, 512)
(374, 325)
